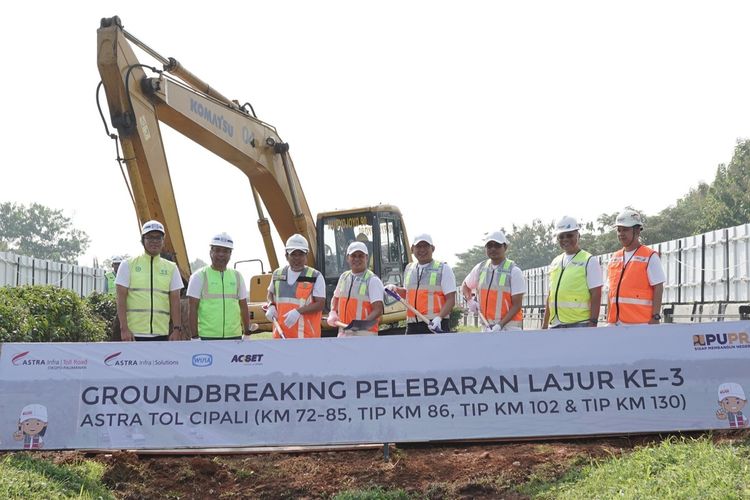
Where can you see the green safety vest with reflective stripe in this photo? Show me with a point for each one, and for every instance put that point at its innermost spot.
(219, 313)
(569, 297)
(110, 277)
(147, 305)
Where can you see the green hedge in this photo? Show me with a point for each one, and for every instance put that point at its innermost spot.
(48, 314)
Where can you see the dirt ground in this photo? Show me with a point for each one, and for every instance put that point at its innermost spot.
(455, 470)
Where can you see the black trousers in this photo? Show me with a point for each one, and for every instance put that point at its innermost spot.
(421, 327)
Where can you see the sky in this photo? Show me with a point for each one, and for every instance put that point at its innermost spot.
(468, 116)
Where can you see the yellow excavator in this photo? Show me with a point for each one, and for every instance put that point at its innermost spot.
(140, 96)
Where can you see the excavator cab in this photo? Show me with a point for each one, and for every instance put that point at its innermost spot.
(382, 230)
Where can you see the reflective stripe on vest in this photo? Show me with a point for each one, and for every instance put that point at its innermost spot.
(219, 308)
(630, 294)
(294, 296)
(570, 297)
(110, 277)
(354, 302)
(493, 283)
(147, 304)
(424, 293)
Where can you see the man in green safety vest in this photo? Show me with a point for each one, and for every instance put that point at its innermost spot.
(217, 296)
(148, 291)
(111, 275)
(575, 282)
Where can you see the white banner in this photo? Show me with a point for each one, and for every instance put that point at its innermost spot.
(374, 389)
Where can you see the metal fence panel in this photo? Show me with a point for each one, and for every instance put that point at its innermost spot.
(18, 270)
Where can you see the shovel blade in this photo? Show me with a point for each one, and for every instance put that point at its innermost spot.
(361, 324)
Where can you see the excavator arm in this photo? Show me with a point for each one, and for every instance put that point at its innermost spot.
(139, 101)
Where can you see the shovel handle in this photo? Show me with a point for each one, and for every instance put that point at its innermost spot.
(413, 309)
(278, 329)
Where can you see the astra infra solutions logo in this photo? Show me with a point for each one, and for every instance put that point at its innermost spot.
(728, 340)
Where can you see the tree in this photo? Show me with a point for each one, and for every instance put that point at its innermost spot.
(466, 262)
(41, 232)
(197, 264)
(532, 245)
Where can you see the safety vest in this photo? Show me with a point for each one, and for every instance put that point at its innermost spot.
(110, 277)
(630, 294)
(494, 283)
(569, 298)
(147, 306)
(294, 296)
(219, 308)
(424, 290)
(354, 302)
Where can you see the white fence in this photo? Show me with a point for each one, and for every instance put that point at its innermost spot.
(707, 275)
(17, 270)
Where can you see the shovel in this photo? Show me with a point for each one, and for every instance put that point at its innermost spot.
(278, 329)
(357, 324)
(418, 314)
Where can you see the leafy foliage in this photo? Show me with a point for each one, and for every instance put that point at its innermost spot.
(723, 203)
(103, 305)
(47, 314)
(40, 232)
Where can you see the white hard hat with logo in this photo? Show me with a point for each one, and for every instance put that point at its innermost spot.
(629, 218)
(222, 240)
(357, 246)
(566, 224)
(36, 411)
(423, 237)
(297, 242)
(152, 225)
(731, 389)
(497, 237)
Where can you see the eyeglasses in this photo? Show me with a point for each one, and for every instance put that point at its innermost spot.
(153, 238)
(493, 244)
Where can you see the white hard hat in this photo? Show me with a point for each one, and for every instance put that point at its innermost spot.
(297, 242)
(566, 224)
(152, 225)
(731, 389)
(423, 237)
(116, 259)
(497, 237)
(357, 246)
(36, 411)
(222, 240)
(629, 218)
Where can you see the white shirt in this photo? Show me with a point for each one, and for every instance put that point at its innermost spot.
(517, 281)
(447, 282)
(196, 284)
(319, 288)
(655, 271)
(123, 277)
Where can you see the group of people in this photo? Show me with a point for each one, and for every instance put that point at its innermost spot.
(148, 289)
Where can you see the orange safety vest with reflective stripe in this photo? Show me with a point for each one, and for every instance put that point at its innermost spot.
(631, 296)
(294, 296)
(494, 283)
(424, 290)
(354, 302)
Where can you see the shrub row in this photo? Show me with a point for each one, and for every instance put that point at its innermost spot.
(51, 314)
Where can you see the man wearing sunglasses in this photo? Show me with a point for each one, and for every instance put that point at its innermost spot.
(500, 285)
(575, 282)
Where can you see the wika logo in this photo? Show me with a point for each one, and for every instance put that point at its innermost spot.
(732, 340)
(112, 360)
(20, 359)
(202, 360)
